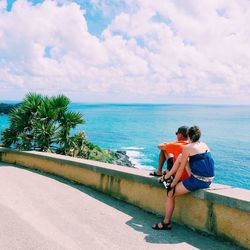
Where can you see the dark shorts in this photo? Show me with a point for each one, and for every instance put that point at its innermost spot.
(192, 184)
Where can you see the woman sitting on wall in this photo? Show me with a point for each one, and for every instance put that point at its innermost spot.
(196, 158)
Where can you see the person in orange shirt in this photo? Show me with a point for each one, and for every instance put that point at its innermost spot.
(169, 151)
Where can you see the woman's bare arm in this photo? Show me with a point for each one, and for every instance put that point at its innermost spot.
(173, 169)
(180, 169)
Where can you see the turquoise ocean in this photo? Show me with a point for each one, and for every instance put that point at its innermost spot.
(139, 128)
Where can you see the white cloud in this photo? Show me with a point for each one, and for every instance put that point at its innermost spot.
(151, 51)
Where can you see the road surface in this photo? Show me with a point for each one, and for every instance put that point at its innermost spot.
(41, 211)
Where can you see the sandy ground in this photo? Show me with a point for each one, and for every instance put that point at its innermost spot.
(40, 211)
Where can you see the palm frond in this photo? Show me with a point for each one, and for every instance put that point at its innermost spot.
(8, 137)
(71, 119)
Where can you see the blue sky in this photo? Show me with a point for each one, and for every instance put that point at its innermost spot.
(96, 19)
(139, 51)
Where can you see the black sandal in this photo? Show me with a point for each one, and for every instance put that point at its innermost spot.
(155, 174)
(163, 226)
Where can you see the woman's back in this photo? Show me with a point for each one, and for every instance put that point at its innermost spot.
(197, 148)
(200, 160)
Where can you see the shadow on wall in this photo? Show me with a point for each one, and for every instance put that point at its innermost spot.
(141, 220)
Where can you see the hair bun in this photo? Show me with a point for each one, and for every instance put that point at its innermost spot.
(194, 133)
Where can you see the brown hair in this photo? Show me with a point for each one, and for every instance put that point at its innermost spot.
(194, 133)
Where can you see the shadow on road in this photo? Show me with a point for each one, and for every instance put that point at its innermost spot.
(141, 220)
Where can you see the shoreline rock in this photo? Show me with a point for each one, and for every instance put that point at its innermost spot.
(121, 158)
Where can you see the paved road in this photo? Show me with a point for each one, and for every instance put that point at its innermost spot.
(39, 211)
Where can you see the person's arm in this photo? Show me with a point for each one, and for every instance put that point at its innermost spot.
(172, 171)
(184, 159)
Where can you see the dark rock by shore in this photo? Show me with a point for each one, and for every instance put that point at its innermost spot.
(121, 158)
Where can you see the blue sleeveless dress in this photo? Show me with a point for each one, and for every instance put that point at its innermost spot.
(202, 171)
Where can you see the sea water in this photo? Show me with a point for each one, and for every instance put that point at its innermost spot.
(139, 128)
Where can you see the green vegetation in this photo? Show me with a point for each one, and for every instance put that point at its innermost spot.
(44, 124)
(85, 149)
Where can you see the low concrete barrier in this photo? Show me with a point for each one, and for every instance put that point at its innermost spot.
(220, 210)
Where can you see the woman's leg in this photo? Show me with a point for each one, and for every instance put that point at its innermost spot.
(169, 206)
(170, 202)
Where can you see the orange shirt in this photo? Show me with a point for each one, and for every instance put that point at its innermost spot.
(175, 148)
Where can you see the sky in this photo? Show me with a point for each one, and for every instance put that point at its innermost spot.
(126, 51)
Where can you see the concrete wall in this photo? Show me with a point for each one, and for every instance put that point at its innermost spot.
(220, 210)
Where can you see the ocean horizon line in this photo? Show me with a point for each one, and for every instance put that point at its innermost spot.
(141, 103)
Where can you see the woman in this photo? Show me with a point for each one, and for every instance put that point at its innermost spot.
(196, 158)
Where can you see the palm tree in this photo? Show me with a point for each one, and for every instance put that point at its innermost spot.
(44, 124)
(41, 123)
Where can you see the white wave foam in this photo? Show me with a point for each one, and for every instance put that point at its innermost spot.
(136, 157)
(134, 154)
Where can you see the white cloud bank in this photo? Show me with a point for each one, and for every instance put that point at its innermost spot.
(154, 51)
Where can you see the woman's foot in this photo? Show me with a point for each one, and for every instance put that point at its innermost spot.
(162, 226)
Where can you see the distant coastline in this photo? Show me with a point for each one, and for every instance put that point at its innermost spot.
(5, 108)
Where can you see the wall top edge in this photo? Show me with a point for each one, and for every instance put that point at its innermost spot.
(227, 195)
